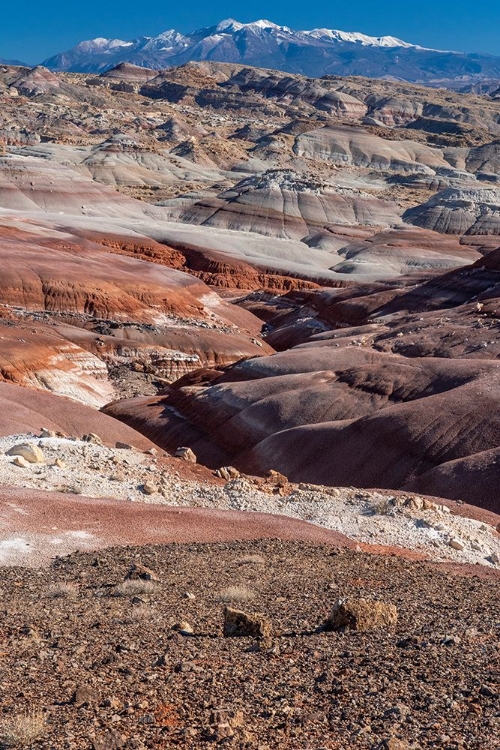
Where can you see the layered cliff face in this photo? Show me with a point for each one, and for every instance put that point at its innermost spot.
(72, 310)
(460, 211)
(282, 204)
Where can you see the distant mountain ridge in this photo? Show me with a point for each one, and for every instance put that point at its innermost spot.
(262, 43)
(18, 63)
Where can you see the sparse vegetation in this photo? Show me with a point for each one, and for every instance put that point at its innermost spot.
(134, 587)
(62, 590)
(236, 594)
(137, 613)
(383, 507)
(252, 560)
(102, 669)
(22, 729)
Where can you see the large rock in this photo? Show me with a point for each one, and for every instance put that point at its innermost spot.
(140, 572)
(238, 624)
(186, 454)
(362, 614)
(28, 451)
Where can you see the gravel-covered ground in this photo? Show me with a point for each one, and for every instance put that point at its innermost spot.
(432, 683)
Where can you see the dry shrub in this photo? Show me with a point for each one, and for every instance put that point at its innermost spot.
(137, 613)
(251, 560)
(236, 594)
(22, 729)
(134, 587)
(62, 590)
(382, 507)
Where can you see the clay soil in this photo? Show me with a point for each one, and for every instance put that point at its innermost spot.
(432, 683)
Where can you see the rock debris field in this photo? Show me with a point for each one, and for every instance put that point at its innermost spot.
(80, 467)
(96, 656)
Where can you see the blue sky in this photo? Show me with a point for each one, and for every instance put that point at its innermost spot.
(32, 30)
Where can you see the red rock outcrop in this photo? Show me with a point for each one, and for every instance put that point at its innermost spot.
(69, 309)
(213, 268)
(377, 373)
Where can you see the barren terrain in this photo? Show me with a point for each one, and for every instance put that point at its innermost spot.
(249, 339)
(93, 662)
(139, 208)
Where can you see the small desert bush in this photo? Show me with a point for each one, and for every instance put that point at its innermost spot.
(382, 507)
(137, 613)
(251, 560)
(236, 594)
(134, 587)
(22, 729)
(61, 590)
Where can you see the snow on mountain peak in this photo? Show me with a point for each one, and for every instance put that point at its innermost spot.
(261, 42)
(102, 44)
(263, 24)
(357, 37)
(230, 25)
(170, 39)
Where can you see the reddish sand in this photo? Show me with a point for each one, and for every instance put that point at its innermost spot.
(37, 526)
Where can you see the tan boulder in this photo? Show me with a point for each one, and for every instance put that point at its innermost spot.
(239, 624)
(186, 454)
(227, 472)
(21, 462)
(362, 614)
(140, 572)
(276, 477)
(183, 627)
(92, 438)
(44, 433)
(31, 453)
(149, 488)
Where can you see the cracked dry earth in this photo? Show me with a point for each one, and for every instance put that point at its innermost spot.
(101, 671)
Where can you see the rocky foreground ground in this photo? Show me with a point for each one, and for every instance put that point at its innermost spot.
(91, 661)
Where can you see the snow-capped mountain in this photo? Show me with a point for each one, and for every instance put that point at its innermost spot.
(265, 44)
(357, 38)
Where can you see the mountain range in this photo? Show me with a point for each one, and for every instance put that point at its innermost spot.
(262, 43)
(3, 61)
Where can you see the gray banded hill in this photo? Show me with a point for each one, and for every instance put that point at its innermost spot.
(165, 232)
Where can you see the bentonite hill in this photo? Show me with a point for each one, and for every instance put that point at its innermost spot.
(249, 386)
